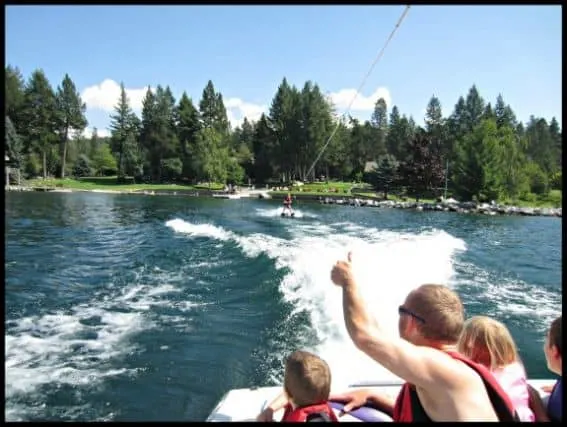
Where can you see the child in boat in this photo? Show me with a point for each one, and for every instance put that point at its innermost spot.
(552, 348)
(488, 342)
(307, 384)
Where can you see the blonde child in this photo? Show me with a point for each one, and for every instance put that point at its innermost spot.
(488, 342)
(307, 384)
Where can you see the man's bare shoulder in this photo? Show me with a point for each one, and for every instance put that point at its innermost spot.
(459, 392)
(452, 374)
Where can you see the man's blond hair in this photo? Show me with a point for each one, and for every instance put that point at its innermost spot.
(489, 342)
(307, 378)
(442, 310)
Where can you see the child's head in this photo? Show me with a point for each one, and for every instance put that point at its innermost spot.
(307, 379)
(488, 342)
(552, 347)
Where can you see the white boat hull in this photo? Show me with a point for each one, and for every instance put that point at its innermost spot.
(246, 403)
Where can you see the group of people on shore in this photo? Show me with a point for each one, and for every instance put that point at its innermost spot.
(454, 370)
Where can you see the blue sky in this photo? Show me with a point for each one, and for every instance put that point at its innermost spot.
(247, 50)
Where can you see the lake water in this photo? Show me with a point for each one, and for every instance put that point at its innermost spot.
(141, 308)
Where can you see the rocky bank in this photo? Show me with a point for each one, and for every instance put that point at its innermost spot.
(449, 205)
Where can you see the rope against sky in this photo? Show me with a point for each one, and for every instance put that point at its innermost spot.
(360, 87)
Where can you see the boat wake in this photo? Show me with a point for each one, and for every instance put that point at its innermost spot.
(388, 264)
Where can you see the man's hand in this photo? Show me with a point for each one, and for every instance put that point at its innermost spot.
(352, 400)
(341, 274)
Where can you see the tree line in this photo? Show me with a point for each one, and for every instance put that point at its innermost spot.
(480, 151)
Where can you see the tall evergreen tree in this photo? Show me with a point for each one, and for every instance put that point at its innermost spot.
(394, 140)
(422, 170)
(70, 116)
(188, 125)
(213, 111)
(13, 143)
(504, 114)
(435, 127)
(40, 116)
(379, 121)
(284, 118)
(264, 148)
(474, 109)
(14, 96)
(385, 175)
(122, 126)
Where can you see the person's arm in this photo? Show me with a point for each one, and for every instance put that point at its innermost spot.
(422, 366)
(383, 402)
(362, 397)
(537, 406)
(278, 403)
(548, 388)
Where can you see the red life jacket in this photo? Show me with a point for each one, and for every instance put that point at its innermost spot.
(301, 415)
(408, 408)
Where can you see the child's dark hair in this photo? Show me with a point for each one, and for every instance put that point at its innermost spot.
(555, 334)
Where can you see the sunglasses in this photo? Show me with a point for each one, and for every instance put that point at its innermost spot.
(403, 310)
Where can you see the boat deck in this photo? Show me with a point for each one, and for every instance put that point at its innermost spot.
(246, 403)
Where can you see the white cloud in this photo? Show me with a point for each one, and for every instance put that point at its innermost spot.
(343, 98)
(88, 133)
(102, 133)
(237, 109)
(105, 95)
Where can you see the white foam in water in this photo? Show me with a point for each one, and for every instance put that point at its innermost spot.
(387, 270)
(277, 212)
(388, 265)
(40, 350)
(74, 347)
(538, 305)
(205, 230)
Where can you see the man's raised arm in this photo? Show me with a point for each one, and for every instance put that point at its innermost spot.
(418, 365)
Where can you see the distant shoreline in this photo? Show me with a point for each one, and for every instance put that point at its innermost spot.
(325, 198)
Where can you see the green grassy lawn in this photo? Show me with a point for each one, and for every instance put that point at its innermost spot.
(330, 187)
(109, 183)
(392, 197)
(552, 200)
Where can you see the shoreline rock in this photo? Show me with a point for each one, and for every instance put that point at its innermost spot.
(457, 207)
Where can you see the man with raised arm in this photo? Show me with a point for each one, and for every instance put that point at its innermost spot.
(441, 385)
